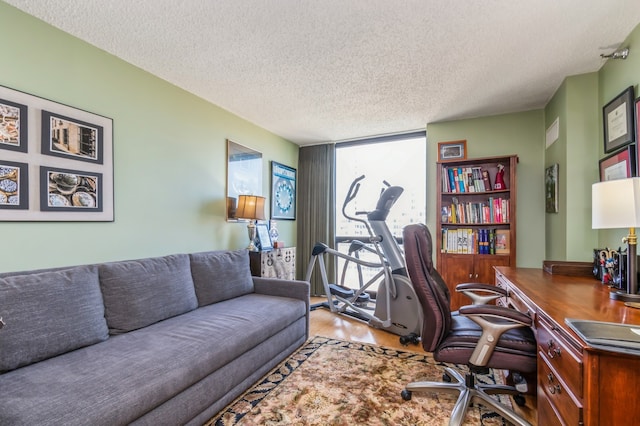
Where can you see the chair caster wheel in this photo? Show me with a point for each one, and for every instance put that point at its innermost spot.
(519, 400)
(409, 338)
(446, 377)
(406, 395)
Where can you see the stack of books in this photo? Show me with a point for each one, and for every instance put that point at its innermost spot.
(475, 241)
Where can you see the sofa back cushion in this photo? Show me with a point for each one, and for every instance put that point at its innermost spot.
(141, 292)
(49, 313)
(221, 275)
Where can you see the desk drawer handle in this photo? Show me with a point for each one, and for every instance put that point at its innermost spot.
(553, 389)
(553, 352)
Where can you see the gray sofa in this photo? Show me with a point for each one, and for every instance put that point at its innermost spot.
(159, 341)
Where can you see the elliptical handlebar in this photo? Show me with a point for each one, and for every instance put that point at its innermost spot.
(351, 195)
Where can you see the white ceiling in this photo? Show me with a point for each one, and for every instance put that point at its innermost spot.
(327, 70)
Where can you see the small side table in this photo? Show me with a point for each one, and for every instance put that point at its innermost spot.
(276, 263)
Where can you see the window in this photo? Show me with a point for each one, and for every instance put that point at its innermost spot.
(399, 160)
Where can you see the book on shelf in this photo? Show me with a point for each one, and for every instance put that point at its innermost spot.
(486, 181)
(475, 241)
(494, 210)
(463, 179)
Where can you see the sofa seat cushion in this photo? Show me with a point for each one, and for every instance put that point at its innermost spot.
(49, 313)
(221, 275)
(119, 380)
(138, 293)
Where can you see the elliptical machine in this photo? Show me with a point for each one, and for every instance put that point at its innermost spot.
(394, 307)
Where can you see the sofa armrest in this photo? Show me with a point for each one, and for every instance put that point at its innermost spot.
(294, 289)
(285, 288)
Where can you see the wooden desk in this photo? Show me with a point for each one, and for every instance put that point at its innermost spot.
(577, 384)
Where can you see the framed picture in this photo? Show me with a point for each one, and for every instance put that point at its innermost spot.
(56, 161)
(283, 191)
(14, 185)
(502, 242)
(70, 190)
(551, 188)
(637, 120)
(14, 126)
(452, 151)
(618, 121)
(71, 138)
(263, 237)
(619, 165)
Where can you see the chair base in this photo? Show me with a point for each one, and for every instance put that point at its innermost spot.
(468, 393)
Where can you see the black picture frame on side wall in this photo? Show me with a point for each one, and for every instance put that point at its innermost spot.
(618, 121)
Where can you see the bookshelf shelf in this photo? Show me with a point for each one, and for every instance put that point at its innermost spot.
(476, 226)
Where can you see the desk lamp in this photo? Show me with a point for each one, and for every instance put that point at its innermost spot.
(251, 207)
(616, 204)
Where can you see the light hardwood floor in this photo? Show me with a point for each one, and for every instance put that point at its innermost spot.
(327, 324)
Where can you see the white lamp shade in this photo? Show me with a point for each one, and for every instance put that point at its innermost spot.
(616, 204)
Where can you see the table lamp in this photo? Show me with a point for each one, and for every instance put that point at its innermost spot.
(616, 204)
(251, 207)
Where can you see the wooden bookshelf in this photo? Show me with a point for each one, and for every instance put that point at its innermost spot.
(469, 216)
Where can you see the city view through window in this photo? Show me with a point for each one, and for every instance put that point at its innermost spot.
(400, 163)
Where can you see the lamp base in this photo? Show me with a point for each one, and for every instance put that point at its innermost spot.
(625, 297)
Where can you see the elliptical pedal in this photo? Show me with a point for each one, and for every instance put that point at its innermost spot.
(347, 293)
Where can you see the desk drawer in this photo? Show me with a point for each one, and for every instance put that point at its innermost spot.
(557, 393)
(514, 300)
(560, 354)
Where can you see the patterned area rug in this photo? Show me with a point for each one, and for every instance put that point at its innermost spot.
(333, 382)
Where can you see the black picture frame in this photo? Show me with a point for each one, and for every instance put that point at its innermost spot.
(14, 126)
(64, 190)
(618, 121)
(283, 191)
(621, 164)
(14, 185)
(72, 138)
(263, 237)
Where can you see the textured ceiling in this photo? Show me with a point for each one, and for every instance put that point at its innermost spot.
(318, 71)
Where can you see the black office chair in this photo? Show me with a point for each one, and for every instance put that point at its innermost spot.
(480, 336)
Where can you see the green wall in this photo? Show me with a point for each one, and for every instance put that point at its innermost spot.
(169, 155)
(521, 134)
(613, 78)
(568, 233)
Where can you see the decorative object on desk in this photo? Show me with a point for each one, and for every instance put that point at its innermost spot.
(551, 188)
(251, 207)
(619, 165)
(283, 191)
(273, 231)
(244, 175)
(616, 204)
(452, 151)
(499, 178)
(618, 120)
(263, 240)
(607, 263)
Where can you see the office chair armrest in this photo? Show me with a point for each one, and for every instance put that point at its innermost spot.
(481, 294)
(494, 320)
(500, 312)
